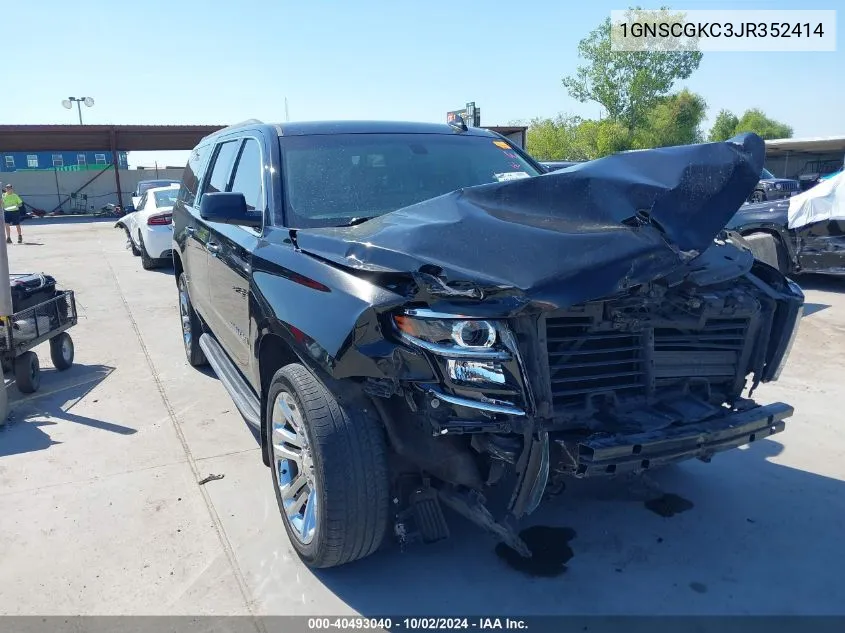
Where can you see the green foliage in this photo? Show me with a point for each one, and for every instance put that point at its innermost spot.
(727, 125)
(723, 127)
(674, 120)
(755, 121)
(627, 84)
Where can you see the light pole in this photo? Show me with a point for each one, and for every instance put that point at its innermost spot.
(68, 103)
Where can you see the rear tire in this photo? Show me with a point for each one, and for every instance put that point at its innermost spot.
(191, 326)
(27, 372)
(329, 469)
(147, 262)
(768, 249)
(61, 351)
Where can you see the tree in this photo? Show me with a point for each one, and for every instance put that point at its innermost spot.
(724, 126)
(673, 120)
(627, 84)
(552, 139)
(755, 121)
(727, 125)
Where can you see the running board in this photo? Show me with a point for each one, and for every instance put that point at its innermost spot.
(238, 389)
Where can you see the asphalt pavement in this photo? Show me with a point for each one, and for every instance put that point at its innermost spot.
(101, 511)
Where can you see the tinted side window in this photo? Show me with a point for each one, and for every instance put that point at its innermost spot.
(249, 176)
(193, 174)
(222, 169)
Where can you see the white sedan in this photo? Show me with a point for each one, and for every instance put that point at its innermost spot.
(150, 227)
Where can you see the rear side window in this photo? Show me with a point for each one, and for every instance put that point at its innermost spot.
(249, 176)
(192, 176)
(222, 169)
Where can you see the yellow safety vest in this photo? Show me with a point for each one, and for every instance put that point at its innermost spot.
(11, 202)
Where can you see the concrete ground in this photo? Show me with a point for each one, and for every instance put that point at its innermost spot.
(101, 513)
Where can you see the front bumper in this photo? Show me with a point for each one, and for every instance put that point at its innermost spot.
(635, 453)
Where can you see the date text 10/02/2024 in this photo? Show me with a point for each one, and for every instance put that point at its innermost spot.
(416, 624)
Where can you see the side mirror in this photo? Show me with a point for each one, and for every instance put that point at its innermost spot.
(229, 207)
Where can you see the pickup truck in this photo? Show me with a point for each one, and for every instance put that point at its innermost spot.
(414, 314)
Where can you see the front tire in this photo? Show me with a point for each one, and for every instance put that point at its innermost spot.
(758, 196)
(191, 326)
(132, 246)
(329, 468)
(61, 351)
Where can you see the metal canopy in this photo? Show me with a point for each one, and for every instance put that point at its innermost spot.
(119, 138)
(783, 146)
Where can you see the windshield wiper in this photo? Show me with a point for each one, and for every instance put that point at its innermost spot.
(355, 221)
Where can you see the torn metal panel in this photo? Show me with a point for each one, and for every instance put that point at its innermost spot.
(625, 220)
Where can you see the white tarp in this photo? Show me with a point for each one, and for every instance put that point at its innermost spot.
(824, 202)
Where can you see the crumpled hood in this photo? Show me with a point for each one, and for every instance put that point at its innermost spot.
(565, 237)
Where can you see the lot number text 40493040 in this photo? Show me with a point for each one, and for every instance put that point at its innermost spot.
(416, 624)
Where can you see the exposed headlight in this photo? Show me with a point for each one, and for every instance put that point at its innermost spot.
(456, 336)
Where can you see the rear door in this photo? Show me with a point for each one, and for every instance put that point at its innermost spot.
(230, 254)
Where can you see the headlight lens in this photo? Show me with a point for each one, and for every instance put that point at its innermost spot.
(451, 337)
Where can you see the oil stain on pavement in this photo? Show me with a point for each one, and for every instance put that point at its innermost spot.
(668, 505)
(550, 549)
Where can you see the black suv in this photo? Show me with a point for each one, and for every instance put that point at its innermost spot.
(410, 313)
(771, 187)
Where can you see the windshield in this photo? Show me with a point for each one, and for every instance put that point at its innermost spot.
(331, 179)
(766, 175)
(152, 184)
(166, 198)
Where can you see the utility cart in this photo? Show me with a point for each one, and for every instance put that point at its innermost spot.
(32, 326)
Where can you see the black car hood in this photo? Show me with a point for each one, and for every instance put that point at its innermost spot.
(561, 238)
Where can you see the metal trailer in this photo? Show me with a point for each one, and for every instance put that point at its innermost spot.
(24, 330)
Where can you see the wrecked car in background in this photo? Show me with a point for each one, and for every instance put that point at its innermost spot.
(805, 234)
(425, 311)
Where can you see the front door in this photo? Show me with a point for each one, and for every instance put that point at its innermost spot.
(230, 258)
(821, 247)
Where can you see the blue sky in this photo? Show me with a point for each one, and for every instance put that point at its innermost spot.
(209, 61)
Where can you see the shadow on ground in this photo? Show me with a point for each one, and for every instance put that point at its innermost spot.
(825, 283)
(58, 394)
(754, 539)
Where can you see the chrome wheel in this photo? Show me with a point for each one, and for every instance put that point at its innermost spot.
(294, 468)
(185, 314)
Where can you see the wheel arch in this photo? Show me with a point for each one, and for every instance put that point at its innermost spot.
(178, 268)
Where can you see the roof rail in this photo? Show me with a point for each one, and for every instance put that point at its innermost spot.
(235, 126)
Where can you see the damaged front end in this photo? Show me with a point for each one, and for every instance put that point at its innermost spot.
(600, 323)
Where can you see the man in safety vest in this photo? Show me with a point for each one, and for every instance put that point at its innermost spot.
(12, 204)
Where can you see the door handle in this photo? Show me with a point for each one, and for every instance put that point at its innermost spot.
(212, 248)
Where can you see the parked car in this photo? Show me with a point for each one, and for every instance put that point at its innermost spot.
(794, 241)
(149, 229)
(555, 165)
(771, 187)
(409, 312)
(144, 185)
(814, 171)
